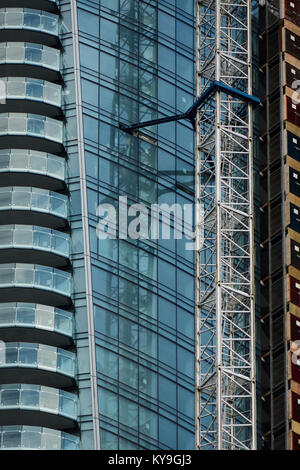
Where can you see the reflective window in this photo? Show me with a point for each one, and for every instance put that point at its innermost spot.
(140, 287)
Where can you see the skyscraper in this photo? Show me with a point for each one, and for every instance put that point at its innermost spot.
(279, 233)
(98, 334)
(116, 330)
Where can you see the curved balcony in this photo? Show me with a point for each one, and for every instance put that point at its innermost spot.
(36, 363)
(24, 24)
(36, 324)
(38, 245)
(39, 405)
(30, 167)
(23, 205)
(36, 438)
(35, 283)
(33, 131)
(29, 59)
(32, 96)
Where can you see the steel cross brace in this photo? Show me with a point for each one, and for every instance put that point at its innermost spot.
(191, 113)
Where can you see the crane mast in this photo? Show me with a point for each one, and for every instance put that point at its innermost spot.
(225, 312)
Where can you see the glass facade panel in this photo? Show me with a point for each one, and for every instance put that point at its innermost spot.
(134, 57)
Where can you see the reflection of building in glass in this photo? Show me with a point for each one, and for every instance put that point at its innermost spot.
(97, 337)
(142, 290)
(127, 305)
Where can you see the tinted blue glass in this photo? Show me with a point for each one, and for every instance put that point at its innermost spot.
(186, 5)
(88, 23)
(184, 33)
(185, 323)
(166, 58)
(166, 24)
(106, 322)
(112, 4)
(89, 57)
(135, 284)
(166, 274)
(104, 282)
(185, 284)
(128, 332)
(90, 92)
(167, 392)
(90, 128)
(186, 402)
(167, 352)
(166, 92)
(185, 68)
(108, 31)
(108, 403)
(185, 363)
(107, 362)
(167, 432)
(186, 439)
(167, 312)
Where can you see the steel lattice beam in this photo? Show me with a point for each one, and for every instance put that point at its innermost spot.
(225, 365)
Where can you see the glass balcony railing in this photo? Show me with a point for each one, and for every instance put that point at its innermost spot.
(35, 276)
(25, 18)
(30, 54)
(38, 398)
(36, 316)
(39, 356)
(33, 199)
(31, 125)
(36, 438)
(21, 88)
(36, 238)
(31, 161)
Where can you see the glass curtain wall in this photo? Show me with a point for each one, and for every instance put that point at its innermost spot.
(136, 63)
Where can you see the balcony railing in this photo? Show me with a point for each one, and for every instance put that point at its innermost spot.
(33, 199)
(35, 276)
(38, 398)
(37, 356)
(21, 88)
(34, 125)
(29, 53)
(41, 317)
(25, 18)
(36, 438)
(33, 237)
(31, 161)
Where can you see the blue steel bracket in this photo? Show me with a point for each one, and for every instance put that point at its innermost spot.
(191, 113)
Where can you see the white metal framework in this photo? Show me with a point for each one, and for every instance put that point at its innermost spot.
(225, 325)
